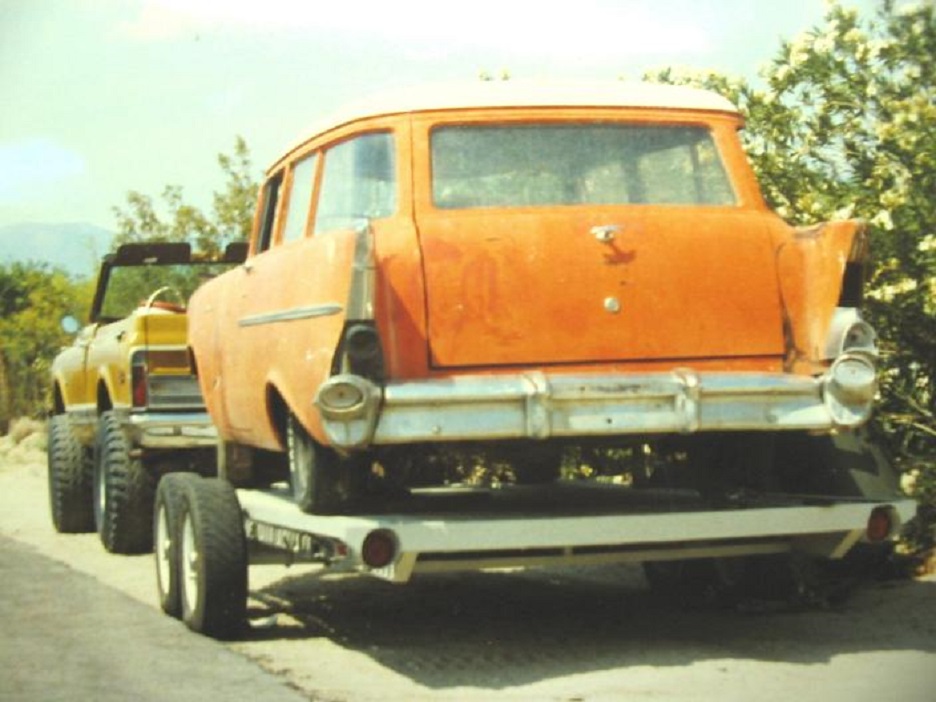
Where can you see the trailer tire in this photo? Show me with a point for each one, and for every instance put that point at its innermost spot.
(123, 491)
(322, 481)
(71, 490)
(167, 513)
(212, 559)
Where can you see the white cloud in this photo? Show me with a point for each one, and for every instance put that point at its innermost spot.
(29, 164)
(586, 29)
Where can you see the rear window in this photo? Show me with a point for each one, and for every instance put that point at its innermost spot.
(534, 165)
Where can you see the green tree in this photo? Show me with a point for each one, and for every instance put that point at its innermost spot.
(843, 124)
(172, 219)
(33, 300)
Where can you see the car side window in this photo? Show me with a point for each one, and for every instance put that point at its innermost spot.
(268, 211)
(358, 183)
(300, 197)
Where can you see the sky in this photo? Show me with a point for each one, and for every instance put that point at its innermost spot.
(100, 97)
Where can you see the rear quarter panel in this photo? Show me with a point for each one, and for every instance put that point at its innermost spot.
(272, 325)
(811, 263)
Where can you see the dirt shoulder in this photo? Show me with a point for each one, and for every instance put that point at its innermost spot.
(562, 634)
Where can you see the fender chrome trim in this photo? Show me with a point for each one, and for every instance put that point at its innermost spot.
(290, 315)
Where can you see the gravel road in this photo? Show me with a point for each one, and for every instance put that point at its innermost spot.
(586, 634)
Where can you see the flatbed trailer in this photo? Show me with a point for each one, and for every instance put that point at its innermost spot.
(207, 533)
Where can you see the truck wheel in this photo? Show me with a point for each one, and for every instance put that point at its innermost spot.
(322, 482)
(123, 489)
(166, 531)
(212, 559)
(71, 493)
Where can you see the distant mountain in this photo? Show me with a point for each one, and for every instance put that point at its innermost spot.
(75, 247)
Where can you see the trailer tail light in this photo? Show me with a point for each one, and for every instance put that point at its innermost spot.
(379, 548)
(880, 524)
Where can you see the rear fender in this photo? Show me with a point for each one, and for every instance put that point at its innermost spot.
(821, 270)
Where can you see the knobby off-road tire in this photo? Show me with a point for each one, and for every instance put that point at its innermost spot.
(167, 529)
(124, 491)
(71, 477)
(322, 481)
(212, 559)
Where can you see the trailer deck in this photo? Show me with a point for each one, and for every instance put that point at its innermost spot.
(444, 529)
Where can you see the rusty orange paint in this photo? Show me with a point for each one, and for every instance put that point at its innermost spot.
(492, 290)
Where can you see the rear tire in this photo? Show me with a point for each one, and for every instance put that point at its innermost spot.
(123, 490)
(212, 559)
(71, 490)
(167, 514)
(322, 481)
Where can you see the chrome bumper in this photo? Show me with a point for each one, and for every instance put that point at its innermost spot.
(172, 430)
(535, 405)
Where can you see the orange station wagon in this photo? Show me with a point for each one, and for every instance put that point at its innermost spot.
(523, 268)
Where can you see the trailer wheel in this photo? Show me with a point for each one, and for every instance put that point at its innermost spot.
(71, 492)
(212, 559)
(322, 481)
(170, 494)
(123, 491)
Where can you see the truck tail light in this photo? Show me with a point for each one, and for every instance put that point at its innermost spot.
(138, 380)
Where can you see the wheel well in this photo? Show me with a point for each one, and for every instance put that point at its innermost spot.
(103, 398)
(278, 412)
(58, 402)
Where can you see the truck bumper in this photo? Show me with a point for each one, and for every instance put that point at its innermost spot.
(535, 405)
(178, 430)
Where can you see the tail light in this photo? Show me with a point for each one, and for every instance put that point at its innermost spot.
(379, 548)
(360, 352)
(138, 380)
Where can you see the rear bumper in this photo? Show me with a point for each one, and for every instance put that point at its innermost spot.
(172, 430)
(536, 405)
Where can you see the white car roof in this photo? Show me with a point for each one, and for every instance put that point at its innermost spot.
(482, 94)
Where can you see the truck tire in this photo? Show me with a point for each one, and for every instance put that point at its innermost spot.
(167, 513)
(212, 557)
(71, 491)
(322, 481)
(123, 491)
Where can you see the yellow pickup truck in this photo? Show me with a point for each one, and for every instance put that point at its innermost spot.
(126, 407)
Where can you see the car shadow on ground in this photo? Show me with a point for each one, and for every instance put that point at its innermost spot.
(504, 629)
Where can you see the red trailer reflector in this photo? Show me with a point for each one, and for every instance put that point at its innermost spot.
(379, 548)
(880, 524)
